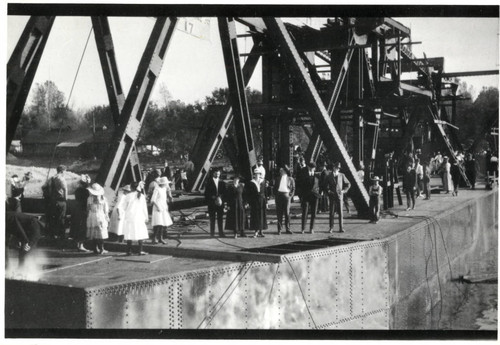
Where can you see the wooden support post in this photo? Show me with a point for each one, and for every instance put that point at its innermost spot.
(106, 50)
(21, 69)
(114, 164)
(315, 144)
(281, 38)
(237, 85)
(204, 150)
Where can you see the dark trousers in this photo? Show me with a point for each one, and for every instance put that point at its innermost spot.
(336, 206)
(420, 185)
(309, 202)
(375, 208)
(410, 198)
(58, 216)
(216, 212)
(283, 209)
(427, 188)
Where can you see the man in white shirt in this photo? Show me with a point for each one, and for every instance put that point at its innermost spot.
(284, 189)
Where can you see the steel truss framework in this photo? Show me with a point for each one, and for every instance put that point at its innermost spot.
(365, 59)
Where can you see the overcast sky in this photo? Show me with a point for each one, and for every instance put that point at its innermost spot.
(194, 67)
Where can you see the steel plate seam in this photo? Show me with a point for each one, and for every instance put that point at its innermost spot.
(352, 318)
(317, 253)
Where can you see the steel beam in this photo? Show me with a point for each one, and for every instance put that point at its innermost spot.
(106, 50)
(237, 96)
(315, 144)
(21, 69)
(469, 74)
(205, 150)
(133, 113)
(281, 38)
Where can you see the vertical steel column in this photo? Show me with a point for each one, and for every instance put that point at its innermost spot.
(315, 144)
(236, 83)
(205, 150)
(21, 69)
(357, 83)
(279, 34)
(114, 164)
(106, 50)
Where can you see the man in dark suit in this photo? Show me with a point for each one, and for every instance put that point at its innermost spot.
(284, 189)
(214, 191)
(309, 186)
(336, 185)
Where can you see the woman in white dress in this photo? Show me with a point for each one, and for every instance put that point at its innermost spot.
(161, 218)
(118, 214)
(97, 217)
(136, 217)
(447, 182)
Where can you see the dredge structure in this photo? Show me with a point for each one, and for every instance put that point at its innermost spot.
(354, 76)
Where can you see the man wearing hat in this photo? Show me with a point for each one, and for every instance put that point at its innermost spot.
(284, 188)
(336, 185)
(375, 191)
(58, 195)
(214, 191)
(309, 186)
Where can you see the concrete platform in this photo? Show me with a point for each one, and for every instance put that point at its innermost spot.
(363, 278)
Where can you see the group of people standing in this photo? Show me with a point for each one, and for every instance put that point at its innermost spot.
(92, 218)
(239, 197)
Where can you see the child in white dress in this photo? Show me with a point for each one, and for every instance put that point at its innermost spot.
(118, 214)
(97, 217)
(136, 217)
(160, 218)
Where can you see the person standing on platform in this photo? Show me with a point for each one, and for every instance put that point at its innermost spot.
(426, 180)
(323, 201)
(284, 189)
(58, 196)
(189, 170)
(409, 186)
(160, 218)
(118, 213)
(214, 191)
(136, 217)
(455, 177)
(301, 173)
(375, 191)
(471, 169)
(309, 185)
(255, 194)
(97, 218)
(419, 170)
(78, 228)
(337, 185)
(235, 218)
(445, 168)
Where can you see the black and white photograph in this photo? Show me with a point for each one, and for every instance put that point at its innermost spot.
(251, 172)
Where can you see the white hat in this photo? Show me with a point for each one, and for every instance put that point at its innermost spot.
(163, 181)
(96, 189)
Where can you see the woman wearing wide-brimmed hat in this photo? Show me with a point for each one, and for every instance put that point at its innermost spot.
(160, 218)
(118, 214)
(97, 217)
(136, 217)
(235, 218)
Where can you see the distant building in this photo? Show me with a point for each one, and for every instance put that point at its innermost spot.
(67, 143)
